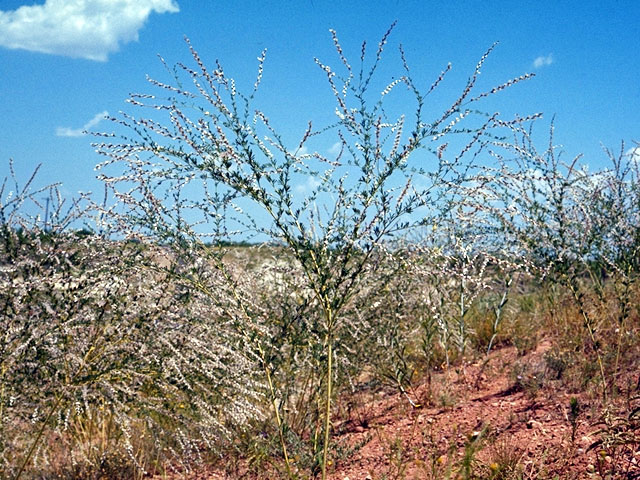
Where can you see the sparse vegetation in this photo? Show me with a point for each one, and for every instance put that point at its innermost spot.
(228, 314)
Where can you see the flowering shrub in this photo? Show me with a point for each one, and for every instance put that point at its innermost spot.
(213, 164)
(97, 332)
(162, 341)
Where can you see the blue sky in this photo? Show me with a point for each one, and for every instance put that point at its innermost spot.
(65, 62)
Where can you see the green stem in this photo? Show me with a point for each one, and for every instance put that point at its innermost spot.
(283, 444)
(263, 358)
(52, 410)
(2, 400)
(578, 296)
(327, 423)
(622, 316)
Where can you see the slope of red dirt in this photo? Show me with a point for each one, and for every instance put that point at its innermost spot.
(515, 429)
(508, 427)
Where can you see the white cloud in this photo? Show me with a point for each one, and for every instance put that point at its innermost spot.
(299, 151)
(543, 61)
(633, 154)
(335, 148)
(90, 29)
(309, 186)
(78, 132)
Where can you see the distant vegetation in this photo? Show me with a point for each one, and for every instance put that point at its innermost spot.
(423, 243)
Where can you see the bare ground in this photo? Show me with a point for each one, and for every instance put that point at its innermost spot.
(508, 428)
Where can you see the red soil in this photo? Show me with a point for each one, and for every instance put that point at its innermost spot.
(523, 428)
(522, 431)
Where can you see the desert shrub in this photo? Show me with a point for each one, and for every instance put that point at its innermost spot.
(578, 231)
(212, 164)
(104, 353)
(242, 284)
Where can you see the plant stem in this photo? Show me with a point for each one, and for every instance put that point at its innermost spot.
(52, 410)
(497, 311)
(283, 444)
(70, 380)
(327, 422)
(589, 326)
(263, 358)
